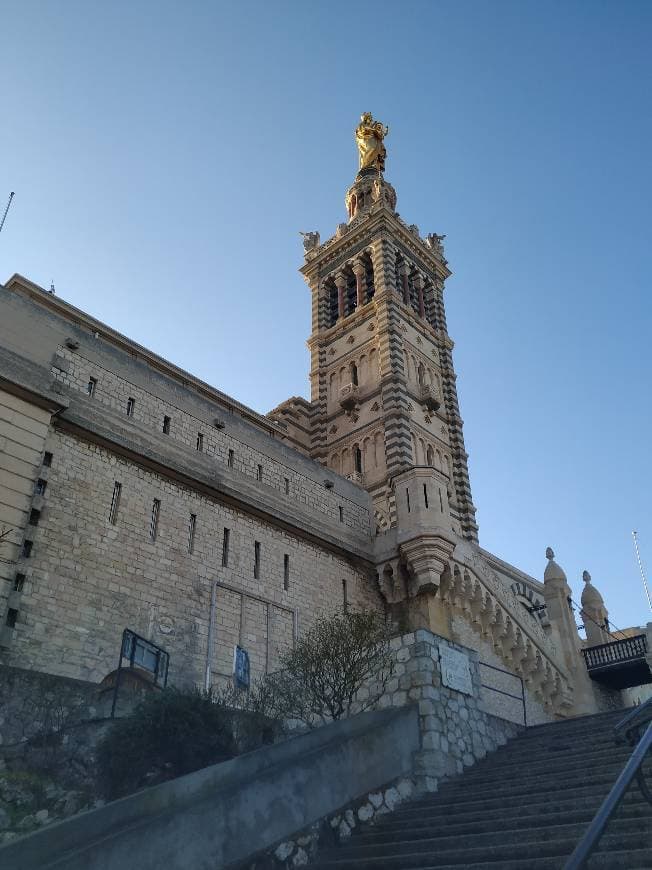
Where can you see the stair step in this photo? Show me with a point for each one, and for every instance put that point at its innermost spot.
(632, 859)
(430, 843)
(525, 852)
(392, 830)
(554, 760)
(441, 805)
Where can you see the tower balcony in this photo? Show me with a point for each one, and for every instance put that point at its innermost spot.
(428, 397)
(349, 396)
(356, 477)
(620, 663)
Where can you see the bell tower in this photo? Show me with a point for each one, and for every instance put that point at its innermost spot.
(383, 391)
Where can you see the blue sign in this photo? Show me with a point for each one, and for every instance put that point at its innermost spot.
(240, 667)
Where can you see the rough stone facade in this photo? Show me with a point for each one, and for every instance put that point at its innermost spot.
(128, 487)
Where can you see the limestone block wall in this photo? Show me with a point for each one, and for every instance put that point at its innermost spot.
(88, 577)
(493, 702)
(455, 728)
(264, 461)
(23, 428)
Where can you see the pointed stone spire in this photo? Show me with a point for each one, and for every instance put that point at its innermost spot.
(553, 570)
(594, 613)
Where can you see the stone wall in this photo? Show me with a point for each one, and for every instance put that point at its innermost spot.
(455, 729)
(87, 578)
(493, 702)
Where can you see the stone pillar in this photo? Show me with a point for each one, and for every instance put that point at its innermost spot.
(418, 283)
(340, 282)
(594, 614)
(359, 271)
(403, 271)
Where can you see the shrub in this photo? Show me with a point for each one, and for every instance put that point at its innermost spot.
(170, 733)
(321, 678)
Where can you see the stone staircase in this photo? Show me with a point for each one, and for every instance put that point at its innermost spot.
(523, 808)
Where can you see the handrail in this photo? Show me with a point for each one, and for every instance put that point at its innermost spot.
(590, 839)
(520, 697)
(631, 717)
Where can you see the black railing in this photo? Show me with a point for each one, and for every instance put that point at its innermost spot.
(628, 729)
(616, 652)
(520, 697)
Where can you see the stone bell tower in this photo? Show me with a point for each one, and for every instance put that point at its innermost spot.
(383, 393)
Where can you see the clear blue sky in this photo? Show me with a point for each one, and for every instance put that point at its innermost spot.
(166, 155)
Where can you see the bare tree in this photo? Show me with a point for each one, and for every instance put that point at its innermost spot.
(322, 677)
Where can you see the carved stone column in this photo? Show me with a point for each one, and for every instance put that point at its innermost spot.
(403, 271)
(359, 271)
(418, 283)
(340, 283)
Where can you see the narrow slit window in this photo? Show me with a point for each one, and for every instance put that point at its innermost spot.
(19, 582)
(259, 473)
(47, 459)
(357, 457)
(12, 616)
(27, 549)
(34, 517)
(200, 442)
(441, 502)
(115, 503)
(225, 548)
(345, 595)
(192, 525)
(341, 514)
(425, 495)
(131, 404)
(286, 572)
(230, 459)
(407, 495)
(153, 522)
(256, 560)
(91, 387)
(166, 425)
(287, 486)
(41, 486)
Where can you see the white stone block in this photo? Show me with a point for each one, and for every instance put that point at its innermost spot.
(376, 799)
(365, 812)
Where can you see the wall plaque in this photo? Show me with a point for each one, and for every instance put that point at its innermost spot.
(455, 670)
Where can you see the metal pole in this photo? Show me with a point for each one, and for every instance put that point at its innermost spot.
(640, 567)
(209, 644)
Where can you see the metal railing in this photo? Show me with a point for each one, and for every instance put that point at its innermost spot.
(616, 652)
(629, 730)
(520, 697)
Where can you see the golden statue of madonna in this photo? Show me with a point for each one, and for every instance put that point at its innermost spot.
(369, 135)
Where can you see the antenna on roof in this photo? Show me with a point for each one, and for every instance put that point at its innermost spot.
(640, 567)
(51, 290)
(4, 216)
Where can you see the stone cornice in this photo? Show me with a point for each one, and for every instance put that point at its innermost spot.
(201, 473)
(24, 287)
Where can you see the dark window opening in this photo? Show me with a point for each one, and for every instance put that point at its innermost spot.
(153, 522)
(441, 502)
(34, 517)
(354, 374)
(287, 486)
(41, 486)
(200, 442)
(47, 459)
(407, 495)
(19, 582)
(225, 548)
(27, 549)
(90, 388)
(12, 616)
(192, 525)
(345, 595)
(115, 503)
(256, 560)
(166, 425)
(230, 460)
(357, 458)
(286, 572)
(341, 514)
(259, 473)
(131, 403)
(425, 495)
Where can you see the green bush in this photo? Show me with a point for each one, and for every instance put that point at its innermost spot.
(170, 733)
